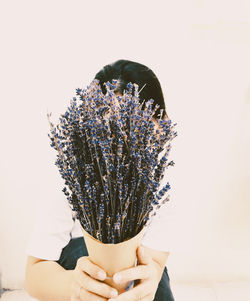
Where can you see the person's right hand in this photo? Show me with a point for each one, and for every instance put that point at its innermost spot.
(87, 275)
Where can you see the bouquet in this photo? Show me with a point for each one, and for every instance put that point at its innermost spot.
(108, 153)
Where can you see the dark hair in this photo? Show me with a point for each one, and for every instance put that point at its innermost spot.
(126, 71)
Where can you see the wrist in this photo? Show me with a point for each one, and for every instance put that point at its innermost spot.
(69, 276)
(159, 270)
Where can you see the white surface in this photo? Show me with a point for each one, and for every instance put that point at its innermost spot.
(200, 52)
(228, 291)
(17, 295)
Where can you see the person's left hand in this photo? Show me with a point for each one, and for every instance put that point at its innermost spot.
(148, 271)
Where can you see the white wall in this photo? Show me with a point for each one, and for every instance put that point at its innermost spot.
(200, 52)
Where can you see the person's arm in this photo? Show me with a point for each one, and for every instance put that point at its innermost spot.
(159, 259)
(46, 280)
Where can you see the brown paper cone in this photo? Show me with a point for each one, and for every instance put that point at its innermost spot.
(113, 258)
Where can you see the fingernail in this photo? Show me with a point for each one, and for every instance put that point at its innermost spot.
(142, 250)
(117, 278)
(114, 293)
(102, 275)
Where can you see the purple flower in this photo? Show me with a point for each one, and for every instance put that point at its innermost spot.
(107, 153)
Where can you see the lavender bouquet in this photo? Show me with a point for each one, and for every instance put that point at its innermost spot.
(108, 154)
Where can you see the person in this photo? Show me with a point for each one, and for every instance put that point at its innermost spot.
(58, 267)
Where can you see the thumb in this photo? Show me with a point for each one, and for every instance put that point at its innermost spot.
(143, 256)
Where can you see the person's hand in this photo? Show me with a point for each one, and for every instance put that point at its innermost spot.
(86, 282)
(148, 271)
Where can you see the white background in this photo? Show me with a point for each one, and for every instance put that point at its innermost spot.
(199, 50)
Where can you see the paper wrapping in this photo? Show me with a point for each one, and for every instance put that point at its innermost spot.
(113, 258)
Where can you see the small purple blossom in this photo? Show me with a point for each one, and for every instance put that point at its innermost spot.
(107, 153)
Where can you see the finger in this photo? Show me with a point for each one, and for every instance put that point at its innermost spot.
(92, 269)
(149, 297)
(85, 295)
(143, 256)
(74, 299)
(138, 272)
(94, 286)
(135, 294)
(75, 296)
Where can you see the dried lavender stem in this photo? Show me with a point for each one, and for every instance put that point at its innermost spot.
(62, 158)
(97, 160)
(133, 207)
